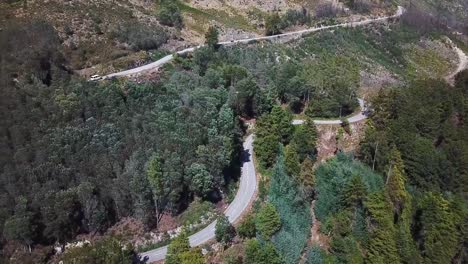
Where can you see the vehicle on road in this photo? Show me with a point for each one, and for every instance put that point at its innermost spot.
(95, 78)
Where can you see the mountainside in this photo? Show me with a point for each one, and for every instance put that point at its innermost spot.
(355, 134)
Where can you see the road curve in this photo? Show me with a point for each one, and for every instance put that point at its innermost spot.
(353, 119)
(298, 33)
(245, 194)
(248, 180)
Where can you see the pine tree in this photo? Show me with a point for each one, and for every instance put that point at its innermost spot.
(438, 230)
(211, 37)
(354, 192)
(382, 245)
(268, 221)
(291, 159)
(177, 248)
(224, 231)
(307, 177)
(396, 182)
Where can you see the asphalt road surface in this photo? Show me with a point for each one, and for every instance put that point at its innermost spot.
(246, 192)
(298, 33)
(248, 180)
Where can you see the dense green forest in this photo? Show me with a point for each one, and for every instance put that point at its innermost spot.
(412, 207)
(77, 156)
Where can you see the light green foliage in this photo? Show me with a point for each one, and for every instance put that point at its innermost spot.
(382, 246)
(178, 248)
(195, 211)
(396, 182)
(247, 227)
(164, 183)
(202, 181)
(193, 256)
(107, 250)
(438, 229)
(294, 211)
(224, 231)
(267, 221)
(256, 253)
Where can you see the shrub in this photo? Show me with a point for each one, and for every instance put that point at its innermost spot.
(196, 210)
(109, 250)
(247, 228)
(170, 14)
(273, 25)
(268, 221)
(224, 231)
(295, 17)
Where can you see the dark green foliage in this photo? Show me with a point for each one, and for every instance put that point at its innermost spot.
(334, 176)
(424, 129)
(273, 24)
(224, 231)
(295, 17)
(86, 154)
(335, 81)
(304, 140)
(257, 253)
(267, 221)
(212, 37)
(247, 228)
(108, 250)
(169, 14)
(294, 211)
(21, 225)
(245, 91)
(292, 162)
(271, 129)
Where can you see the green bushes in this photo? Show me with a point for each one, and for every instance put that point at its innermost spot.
(267, 221)
(258, 253)
(247, 228)
(224, 231)
(169, 14)
(179, 252)
(108, 250)
(195, 211)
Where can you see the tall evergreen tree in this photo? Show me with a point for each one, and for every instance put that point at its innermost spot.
(382, 245)
(396, 182)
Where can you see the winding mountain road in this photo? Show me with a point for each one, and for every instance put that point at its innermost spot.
(298, 33)
(245, 194)
(248, 180)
